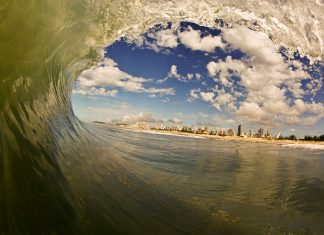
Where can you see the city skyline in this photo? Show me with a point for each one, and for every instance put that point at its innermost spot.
(196, 129)
(198, 76)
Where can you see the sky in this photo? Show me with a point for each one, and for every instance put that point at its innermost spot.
(186, 74)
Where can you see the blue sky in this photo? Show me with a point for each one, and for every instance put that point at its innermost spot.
(191, 75)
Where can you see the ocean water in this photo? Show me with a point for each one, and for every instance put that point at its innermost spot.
(61, 176)
(182, 185)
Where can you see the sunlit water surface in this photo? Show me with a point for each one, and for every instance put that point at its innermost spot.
(170, 184)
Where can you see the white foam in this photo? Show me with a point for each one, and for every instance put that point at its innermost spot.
(292, 24)
(306, 146)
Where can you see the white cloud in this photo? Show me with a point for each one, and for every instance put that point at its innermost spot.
(207, 96)
(190, 76)
(225, 69)
(218, 98)
(166, 38)
(253, 43)
(253, 112)
(169, 39)
(175, 120)
(270, 91)
(173, 73)
(193, 95)
(198, 76)
(224, 99)
(92, 91)
(158, 41)
(152, 46)
(147, 117)
(195, 41)
(140, 117)
(166, 100)
(107, 74)
(280, 113)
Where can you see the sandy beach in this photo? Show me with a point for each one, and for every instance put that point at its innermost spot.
(288, 143)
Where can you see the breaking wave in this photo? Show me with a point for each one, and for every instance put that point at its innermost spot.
(60, 176)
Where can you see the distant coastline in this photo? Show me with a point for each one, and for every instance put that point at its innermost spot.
(237, 138)
(285, 142)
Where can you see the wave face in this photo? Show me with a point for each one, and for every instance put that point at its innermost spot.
(61, 177)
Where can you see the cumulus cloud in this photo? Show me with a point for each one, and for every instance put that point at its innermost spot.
(175, 121)
(107, 74)
(166, 38)
(198, 76)
(224, 70)
(253, 112)
(256, 44)
(207, 96)
(225, 100)
(270, 88)
(147, 117)
(166, 100)
(173, 73)
(273, 114)
(140, 117)
(159, 41)
(219, 98)
(93, 91)
(193, 95)
(190, 76)
(194, 40)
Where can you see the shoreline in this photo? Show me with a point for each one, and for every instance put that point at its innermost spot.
(282, 142)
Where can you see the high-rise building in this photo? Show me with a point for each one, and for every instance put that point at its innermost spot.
(230, 132)
(260, 133)
(239, 130)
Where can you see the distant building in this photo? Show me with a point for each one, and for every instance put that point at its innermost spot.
(142, 125)
(212, 132)
(230, 132)
(268, 135)
(239, 130)
(260, 133)
(222, 133)
(250, 133)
